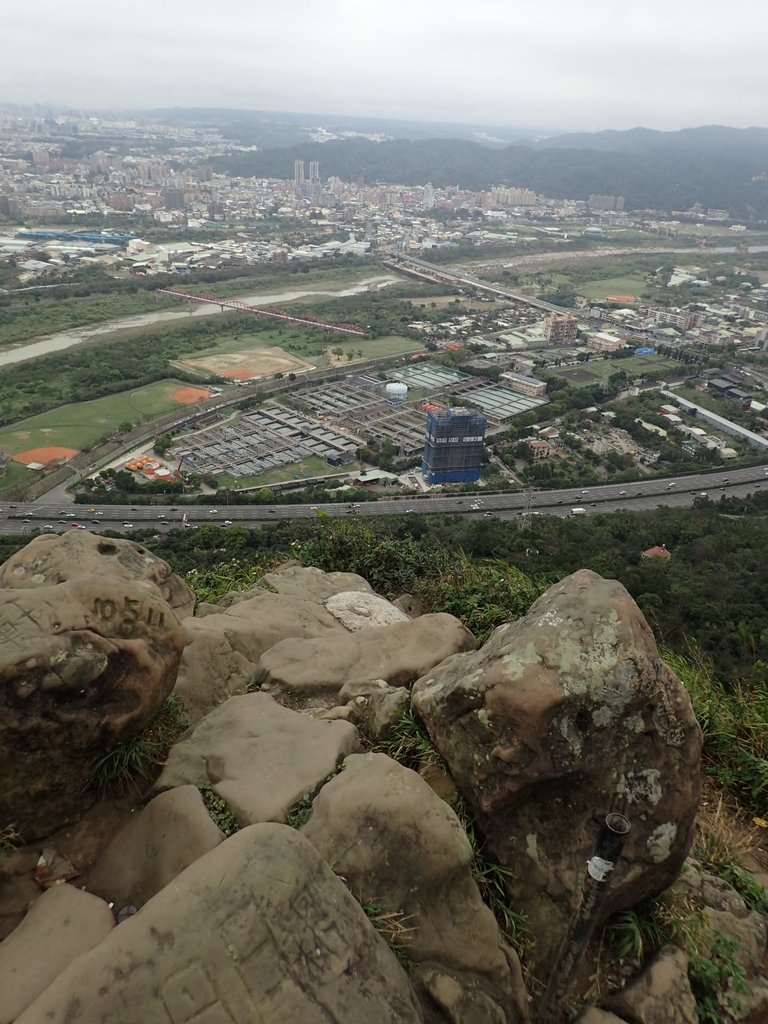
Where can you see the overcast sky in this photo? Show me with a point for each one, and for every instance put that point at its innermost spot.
(552, 64)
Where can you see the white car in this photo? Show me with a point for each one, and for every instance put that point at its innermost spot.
(227, 522)
(128, 526)
(213, 511)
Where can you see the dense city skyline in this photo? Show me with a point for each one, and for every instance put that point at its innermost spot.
(549, 68)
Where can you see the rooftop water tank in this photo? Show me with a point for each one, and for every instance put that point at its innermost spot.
(396, 394)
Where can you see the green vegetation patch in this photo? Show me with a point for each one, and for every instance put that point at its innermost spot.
(602, 287)
(14, 475)
(80, 426)
(310, 467)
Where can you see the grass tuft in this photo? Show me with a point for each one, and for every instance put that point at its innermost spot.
(221, 813)
(393, 926)
(139, 757)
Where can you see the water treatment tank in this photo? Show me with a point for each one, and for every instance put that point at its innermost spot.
(396, 394)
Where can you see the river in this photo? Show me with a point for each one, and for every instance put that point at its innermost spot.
(77, 335)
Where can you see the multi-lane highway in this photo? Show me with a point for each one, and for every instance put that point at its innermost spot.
(640, 494)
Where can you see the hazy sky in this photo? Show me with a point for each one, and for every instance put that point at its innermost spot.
(549, 64)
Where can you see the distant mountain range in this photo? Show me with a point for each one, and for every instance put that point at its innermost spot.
(719, 167)
(268, 128)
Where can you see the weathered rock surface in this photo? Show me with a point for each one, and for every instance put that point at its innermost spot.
(157, 844)
(260, 757)
(305, 583)
(356, 610)
(225, 642)
(398, 654)
(56, 558)
(594, 1016)
(661, 994)
(223, 649)
(61, 924)
(257, 930)
(382, 829)
(725, 911)
(84, 666)
(409, 604)
(563, 716)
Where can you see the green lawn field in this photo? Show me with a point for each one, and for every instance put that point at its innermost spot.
(310, 467)
(602, 287)
(80, 426)
(644, 364)
(15, 474)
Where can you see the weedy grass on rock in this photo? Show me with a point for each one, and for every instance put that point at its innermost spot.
(141, 756)
(9, 839)
(394, 928)
(675, 918)
(221, 813)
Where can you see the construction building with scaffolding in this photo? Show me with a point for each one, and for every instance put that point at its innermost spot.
(454, 446)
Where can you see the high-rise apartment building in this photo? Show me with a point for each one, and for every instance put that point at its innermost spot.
(453, 447)
(298, 174)
(174, 198)
(560, 328)
(608, 203)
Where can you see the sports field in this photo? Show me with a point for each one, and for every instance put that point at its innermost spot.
(76, 427)
(577, 375)
(247, 364)
(254, 352)
(621, 289)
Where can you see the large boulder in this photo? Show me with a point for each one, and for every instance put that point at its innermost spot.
(84, 667)
(357, 611)
(55, 558)
(260, 757)
(304, 582)
(158, 843)
(561, 717)
(398, 846)
(257, 930)
(398, 654)
(224, 648)
(61, 924)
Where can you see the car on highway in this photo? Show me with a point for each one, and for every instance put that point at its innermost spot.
(622, 492)
(227, 522)
(73, 525)
(128, 526)
(213, 511)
